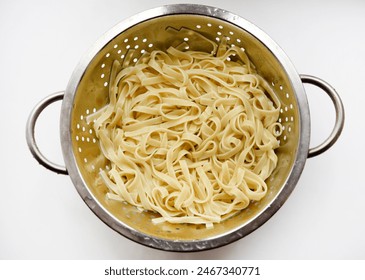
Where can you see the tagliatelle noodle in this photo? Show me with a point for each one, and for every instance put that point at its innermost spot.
(189, 135)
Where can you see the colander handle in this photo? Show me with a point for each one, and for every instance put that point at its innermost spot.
(340, 114)
(30, 129)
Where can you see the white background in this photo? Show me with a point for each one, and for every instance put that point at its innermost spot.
(43, 217)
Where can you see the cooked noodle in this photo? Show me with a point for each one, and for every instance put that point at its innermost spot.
(189, 135)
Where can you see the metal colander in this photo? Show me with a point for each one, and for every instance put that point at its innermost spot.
(160, 28)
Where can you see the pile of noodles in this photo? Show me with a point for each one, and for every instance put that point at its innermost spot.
(189, 135)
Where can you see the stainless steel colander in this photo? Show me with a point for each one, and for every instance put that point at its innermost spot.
(160, 28)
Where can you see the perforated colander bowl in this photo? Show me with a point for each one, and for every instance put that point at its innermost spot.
(161, 28)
